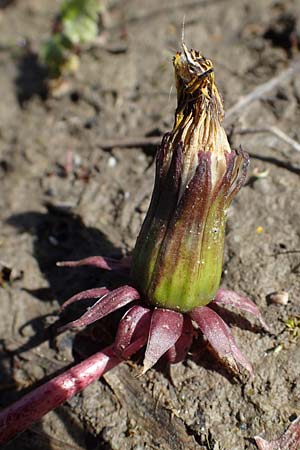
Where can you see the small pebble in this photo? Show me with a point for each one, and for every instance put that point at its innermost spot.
(77, 160)
(279, 298)
(112, 162)
(260, 173)
(36, 372)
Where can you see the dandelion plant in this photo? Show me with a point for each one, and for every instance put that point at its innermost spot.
(173, 276)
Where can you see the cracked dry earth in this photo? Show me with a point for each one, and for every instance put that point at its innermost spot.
(123, 90)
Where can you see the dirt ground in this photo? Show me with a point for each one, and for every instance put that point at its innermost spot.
(125, 89)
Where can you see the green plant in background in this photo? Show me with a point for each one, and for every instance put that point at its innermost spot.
(293, 325)
(76, 24)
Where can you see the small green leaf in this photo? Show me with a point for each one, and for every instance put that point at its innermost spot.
(80, 20)
(53, 54)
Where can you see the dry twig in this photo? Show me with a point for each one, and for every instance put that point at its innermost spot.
(131, 142)
(260, 91)
(274, 130)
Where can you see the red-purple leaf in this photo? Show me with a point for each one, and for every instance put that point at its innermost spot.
(85, 295)
(165, 329)
(231, 298)
(104, 306)
(134, 323)
(95, 261)
(238, 355)
(288, 441)
(180, 349)
(219, 338)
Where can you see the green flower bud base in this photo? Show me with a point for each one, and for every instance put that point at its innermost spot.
(177, 261)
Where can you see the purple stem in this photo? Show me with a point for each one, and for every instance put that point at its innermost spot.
(19, 416)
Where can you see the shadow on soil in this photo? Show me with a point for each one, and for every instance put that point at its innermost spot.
(31, 78)
(60, 235)
(5, 3)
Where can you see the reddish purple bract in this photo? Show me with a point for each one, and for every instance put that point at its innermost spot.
(170, 333)
(106, 304)
(231, 298)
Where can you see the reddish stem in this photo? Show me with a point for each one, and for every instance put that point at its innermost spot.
(17, 417)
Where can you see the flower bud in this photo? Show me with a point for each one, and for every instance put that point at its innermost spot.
(177, 260)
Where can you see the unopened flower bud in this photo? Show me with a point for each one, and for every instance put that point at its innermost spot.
(177, 260)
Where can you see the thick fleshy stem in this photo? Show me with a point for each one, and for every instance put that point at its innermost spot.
(19, 416)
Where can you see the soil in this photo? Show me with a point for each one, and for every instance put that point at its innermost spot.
(52, 210)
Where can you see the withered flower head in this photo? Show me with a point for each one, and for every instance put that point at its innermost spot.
(178, 256)
(199, 114)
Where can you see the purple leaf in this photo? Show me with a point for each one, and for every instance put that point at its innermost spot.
(97, 261)
(219, 338)
(231, 298)
(104, 306)
(134, 323)
(288, 441)
(238, 355)
(180, 349)
(165, 329)
(84, 295)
